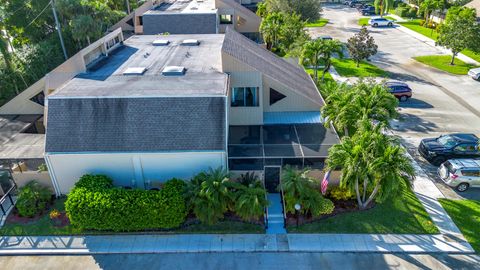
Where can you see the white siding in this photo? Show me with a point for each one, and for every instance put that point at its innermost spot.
(140, 170)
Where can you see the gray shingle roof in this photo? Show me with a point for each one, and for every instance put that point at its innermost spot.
(135, 124)
(290, 75)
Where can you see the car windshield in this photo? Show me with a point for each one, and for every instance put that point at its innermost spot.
(447, 141)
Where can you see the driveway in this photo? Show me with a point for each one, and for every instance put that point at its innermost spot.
(233, 261)
(442, 103)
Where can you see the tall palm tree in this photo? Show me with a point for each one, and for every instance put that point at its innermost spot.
(319, 51)
(376, 102)
(373, 165)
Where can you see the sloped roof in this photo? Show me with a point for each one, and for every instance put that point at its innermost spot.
(135, 124)
(271, 65)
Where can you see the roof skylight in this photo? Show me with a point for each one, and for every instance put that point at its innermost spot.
(135, 71)
(173, 71)
(160, 42)
(190, 42)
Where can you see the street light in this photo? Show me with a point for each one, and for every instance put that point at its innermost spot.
(297, 211)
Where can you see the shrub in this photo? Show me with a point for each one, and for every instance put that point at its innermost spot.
(337, 193)
(402, 11)
(250, 201)
(99, 206)
(32, 199)
(412, 12)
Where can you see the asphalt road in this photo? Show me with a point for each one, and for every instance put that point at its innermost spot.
(441, 103)
(233, 261)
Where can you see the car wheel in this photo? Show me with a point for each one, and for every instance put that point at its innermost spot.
(390, 24)
(462, 187)
(438, 161)
(375, 24)
(403, 98)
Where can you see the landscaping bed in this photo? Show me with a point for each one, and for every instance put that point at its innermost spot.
(401, 214)
(442, 62)
(466, 215)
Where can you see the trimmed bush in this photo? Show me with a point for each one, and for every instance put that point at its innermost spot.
(32, 199)
(99, 206)
(337, 193)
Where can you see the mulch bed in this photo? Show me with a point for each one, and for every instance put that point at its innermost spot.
(341, 207)
(15, 218)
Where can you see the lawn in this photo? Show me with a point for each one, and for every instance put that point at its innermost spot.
(348, 68)
(473, 55)
(401, 214)
(364, 20)
(318, 23)
(442, 62)
(328, 77)
(44, 226)
(466, 214)
(415, 26)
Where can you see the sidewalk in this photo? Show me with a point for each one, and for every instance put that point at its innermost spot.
(120, 244)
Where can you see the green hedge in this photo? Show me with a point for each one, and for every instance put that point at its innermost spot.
(94, 204)
(406, 12)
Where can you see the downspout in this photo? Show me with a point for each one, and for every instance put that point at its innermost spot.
(226, 122)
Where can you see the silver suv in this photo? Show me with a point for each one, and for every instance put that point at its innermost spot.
(460, 173)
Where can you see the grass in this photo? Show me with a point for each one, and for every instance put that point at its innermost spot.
(44, 226)
(328, 77)
(466, 214)
(442, 62)
(473, 55)
(415, 26)
(401, 214)
(348, 68)
(318, 23)
(364, 20)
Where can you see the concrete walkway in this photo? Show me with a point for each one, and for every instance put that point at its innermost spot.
(120, 244)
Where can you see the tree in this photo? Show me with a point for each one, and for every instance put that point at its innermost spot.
(309, 10)
(209, 196)
(281, 31)
(361, 46)
(319, 51)
(270, 27)
(383, 6)
(346, 105)
(250, 200)
(460, 31)
(373, 165)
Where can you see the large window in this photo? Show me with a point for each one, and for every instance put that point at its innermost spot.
(226, 19)
(245, 97)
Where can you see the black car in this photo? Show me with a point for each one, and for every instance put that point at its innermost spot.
(368, 11)
(458, 145)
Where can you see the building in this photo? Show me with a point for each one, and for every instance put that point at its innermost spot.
(159, 107)
(193, 17)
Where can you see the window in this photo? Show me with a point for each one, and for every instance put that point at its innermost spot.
(275, 96)
(226, 19)
(473, 173)
(39, 98)
(140, 20)
(465, 148)
(244, 97)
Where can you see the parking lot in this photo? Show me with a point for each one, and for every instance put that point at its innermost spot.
(441, 103)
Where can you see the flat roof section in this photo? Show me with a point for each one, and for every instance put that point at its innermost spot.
(203, 70)
(184, 6)
(17, 145)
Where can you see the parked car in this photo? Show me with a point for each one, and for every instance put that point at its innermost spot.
(325, 38)
(366, 11)
(460, 173)
(375, 22)
(400, 90)
(445, 147)
(474, 73)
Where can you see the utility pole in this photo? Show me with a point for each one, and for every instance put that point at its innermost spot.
(128, 6)
(59, 29)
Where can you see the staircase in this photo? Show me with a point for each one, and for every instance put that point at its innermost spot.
(276, 223)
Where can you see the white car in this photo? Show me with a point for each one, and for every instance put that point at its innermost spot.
(375, 22)
(474, 73)
(460, 173)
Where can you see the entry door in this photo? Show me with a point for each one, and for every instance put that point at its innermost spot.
(272, 179)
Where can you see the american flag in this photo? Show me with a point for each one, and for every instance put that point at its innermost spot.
(325, 180)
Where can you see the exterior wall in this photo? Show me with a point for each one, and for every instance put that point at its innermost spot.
(21, 104)
(293, 101)
(244, 20)
(182, 23)
(242, 75)
(23, 178)
(139, 170)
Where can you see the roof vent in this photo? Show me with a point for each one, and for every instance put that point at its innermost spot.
(135, 71)
(173, 71)
(190, 42)
(160, 42)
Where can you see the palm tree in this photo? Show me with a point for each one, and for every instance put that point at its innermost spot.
(340, 108)
(373, 164)
(209, 195)
(376, 102)
(250, 201)
(271, 27)
(319, 51)
(382, 6)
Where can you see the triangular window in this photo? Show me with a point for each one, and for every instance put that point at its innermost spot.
(275, 96)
